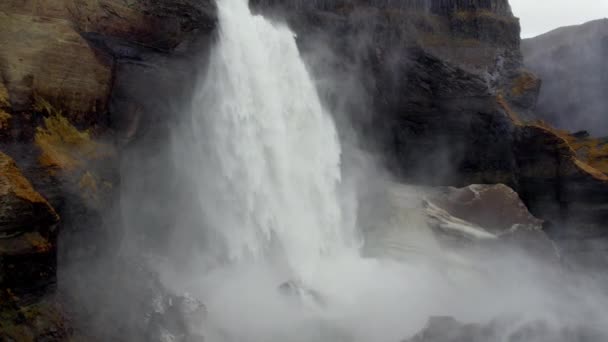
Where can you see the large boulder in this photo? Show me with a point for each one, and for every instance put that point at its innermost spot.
(492, 214)
(412, 222)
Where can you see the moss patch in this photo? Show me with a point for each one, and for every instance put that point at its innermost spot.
(63, 146)
(524, 83)
(592, 152)
(4, 98)
(504, 104)
(481, 14)
(13, 181)
(5, 120)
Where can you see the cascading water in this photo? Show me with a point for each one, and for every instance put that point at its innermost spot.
(270, 152)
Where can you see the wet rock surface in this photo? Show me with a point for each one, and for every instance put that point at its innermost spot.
(473, 220)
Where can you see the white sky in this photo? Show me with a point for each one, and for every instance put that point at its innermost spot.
(540, 16)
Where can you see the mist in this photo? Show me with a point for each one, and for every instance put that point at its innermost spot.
(255, 213)
(570, 62)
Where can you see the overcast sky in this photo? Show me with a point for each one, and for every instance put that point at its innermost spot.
(540, 16)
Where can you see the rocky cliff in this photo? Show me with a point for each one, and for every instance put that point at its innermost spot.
(68, 108)
(452, 102)
(437, 88)
(571, 62)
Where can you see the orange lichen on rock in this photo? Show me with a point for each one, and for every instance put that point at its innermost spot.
(13, 181)
(4, 98)
(591, 170)
(5, 117)
(5, 120)
(38, 243)
(524, 83)
(504, 104)
(592, 152)
(481, 14)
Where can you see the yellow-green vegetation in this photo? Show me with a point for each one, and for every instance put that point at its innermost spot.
(504, 104)
(4, 99)
(591, 153)
(444, 39)
(63, 146)
(591, 170)
(40, 244)
(481, 14)
(588, 154)
(12, 180)
(524, 83)
(5, 117)
(5, 120)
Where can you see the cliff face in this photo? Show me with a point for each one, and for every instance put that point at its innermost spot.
(433, 71)
(68, 107)
(437, 88)
(453, 104)
(571, 62)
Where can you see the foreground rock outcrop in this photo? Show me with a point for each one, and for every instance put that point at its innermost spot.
(475, 222)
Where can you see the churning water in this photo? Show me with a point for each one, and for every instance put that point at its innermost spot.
(274, 150)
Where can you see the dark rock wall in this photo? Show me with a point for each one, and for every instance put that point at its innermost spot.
(433, 72)
(451, 101)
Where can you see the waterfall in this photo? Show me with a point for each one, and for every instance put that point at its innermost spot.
(265, 155)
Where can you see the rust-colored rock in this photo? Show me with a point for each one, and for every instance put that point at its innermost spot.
(22, 209)
(26, 230)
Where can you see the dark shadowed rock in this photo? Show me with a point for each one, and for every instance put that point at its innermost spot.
(302, 294)
(27, 224)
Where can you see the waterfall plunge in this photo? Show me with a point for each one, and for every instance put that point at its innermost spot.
(261, 159)
(270, 152)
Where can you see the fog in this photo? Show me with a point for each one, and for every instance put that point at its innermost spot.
(258, 217)
(538, 17)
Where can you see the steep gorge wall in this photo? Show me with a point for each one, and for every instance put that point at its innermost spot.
(452, 103)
